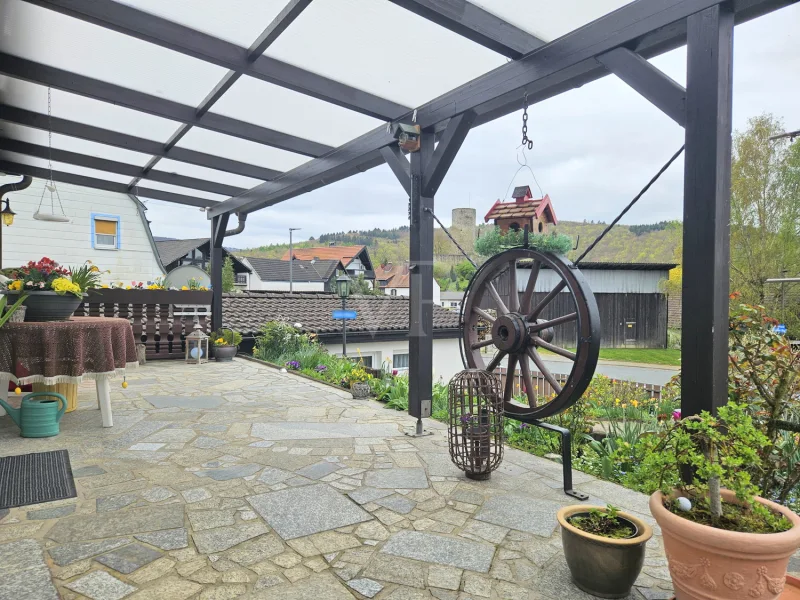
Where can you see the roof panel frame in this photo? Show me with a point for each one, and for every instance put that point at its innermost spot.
(476, 24)
(102, 184)
(108, 137)
(648, 26)
(179, 38)
(27, 70)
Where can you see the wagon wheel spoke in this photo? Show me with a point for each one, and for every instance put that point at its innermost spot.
(508, 393)
(527, 297)
(483, 344)
(483, 314)
(528, 379)
(534, 327)
(495, 361)
(547, 300)
(501, 306)
(537, 360)
(513, 294)
(553, 348)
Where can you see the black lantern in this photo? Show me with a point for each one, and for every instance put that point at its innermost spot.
(475, 428)
(343, 286)
(8, 214)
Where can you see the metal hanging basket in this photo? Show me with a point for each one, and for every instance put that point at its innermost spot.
(475, 428)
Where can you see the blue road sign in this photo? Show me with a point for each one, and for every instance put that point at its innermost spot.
(344, 315)
(781, 329)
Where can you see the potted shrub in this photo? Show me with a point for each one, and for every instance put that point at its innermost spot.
(52, 293)
(604, 548)
(725, 544)
(226, 343)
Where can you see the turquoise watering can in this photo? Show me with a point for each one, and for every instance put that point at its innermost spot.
(38, 418)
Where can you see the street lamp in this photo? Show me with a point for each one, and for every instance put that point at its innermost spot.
(343, 287)
(291, 256)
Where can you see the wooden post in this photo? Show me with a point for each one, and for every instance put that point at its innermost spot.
(218, 225)
(706, 211)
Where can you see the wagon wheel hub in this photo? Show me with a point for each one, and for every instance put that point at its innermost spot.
(510, 333)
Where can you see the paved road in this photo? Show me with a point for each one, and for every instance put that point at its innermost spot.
(653, 374)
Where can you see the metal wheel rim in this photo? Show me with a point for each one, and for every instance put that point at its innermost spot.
(587, 326)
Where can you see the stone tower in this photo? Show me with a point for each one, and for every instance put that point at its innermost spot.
(463, 226)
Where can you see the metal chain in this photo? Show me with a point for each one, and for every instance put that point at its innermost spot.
(50, 134)
(525, 140)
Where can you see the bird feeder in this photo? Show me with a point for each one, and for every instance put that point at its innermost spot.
(196, 346)
(475, 428)
(407, 136)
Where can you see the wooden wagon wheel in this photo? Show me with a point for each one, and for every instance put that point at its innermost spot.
(519, 329)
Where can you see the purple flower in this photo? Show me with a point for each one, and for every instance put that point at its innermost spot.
(466, 419)
(524, 426)
(293, 364)
(676, 414)
(321, 368)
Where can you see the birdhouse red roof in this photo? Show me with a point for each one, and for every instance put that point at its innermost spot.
(523, 207)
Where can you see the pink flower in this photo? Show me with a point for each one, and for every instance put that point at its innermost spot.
(29, 283)
(676, 414)
(394, 371)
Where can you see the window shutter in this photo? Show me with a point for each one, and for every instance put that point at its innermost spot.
(104, 227)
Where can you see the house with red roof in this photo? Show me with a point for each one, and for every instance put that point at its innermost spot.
(355, 259)
(524, 209)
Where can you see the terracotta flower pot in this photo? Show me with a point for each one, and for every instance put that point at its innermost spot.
(601, 566)
(713, 564)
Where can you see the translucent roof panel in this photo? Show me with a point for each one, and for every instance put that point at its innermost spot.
(381, 48)
(57, 40)
(291, 112)
(549, 20)
(157, 185)
(173, 166)
(63, 142)
(245, 151)
(64, 167)
(33, 97)
(237, 21)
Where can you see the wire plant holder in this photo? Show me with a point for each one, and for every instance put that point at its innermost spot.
(475, 426)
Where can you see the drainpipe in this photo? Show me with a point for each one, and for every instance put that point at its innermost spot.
(5, 189)
(240, 227)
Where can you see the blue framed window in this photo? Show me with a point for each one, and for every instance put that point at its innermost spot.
(105, 231)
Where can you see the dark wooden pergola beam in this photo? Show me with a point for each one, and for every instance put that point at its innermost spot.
(454, 135)
(113, 166)
(179, 38)
(20, 68)
(102, 184)
(399, 165)
(35, 120)
(475, 24)
(657, 87)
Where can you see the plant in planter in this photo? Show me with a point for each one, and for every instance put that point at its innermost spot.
(358, 381)
(604, 548)
(725, 544)
(51, 293)
(6, 313)
(226, 342)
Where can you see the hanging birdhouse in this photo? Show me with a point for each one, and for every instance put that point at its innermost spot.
(196, 346)
(407, 136)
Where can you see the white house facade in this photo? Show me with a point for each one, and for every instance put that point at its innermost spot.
(107, 228)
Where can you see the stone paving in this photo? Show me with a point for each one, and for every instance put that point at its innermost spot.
(234, 480)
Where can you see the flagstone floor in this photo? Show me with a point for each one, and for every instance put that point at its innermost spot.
(237, 481)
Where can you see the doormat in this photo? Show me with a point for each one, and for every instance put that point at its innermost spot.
(35, 478)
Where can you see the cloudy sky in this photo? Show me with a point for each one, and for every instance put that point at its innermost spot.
(595, 147)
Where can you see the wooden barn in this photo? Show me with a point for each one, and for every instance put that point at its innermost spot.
(633, 308)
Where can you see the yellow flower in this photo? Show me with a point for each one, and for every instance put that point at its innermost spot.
(95, 269)
(635, 404)
(616, 401)
(15, 285)
(624, 405)
(105, 285)
(127, 287)
(65, 286)
(184, 288)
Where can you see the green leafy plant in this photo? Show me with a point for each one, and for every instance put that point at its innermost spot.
(398, 394)
(87, 276)
(494, 240)
(226, 337)
(7, 313)
(605, 523)
(357, 375)
(718, 451)
(276, 339)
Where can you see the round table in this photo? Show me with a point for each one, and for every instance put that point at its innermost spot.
(53, 352)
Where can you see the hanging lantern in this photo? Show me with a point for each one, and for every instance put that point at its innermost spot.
(8, 214)
(196, 346)
(475, 428)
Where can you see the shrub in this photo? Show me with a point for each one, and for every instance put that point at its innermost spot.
(276, 339)
(494, 241)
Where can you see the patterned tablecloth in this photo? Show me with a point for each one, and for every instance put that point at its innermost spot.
(66, 351)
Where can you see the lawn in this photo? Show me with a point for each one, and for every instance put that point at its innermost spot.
(653, 356)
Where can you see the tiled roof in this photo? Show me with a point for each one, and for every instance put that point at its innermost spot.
(346, 254)
(172, 250)
(396, 276)
(272, 269)
(246, 312)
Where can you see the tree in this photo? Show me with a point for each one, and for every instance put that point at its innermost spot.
(228, 276)
(765, 209)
